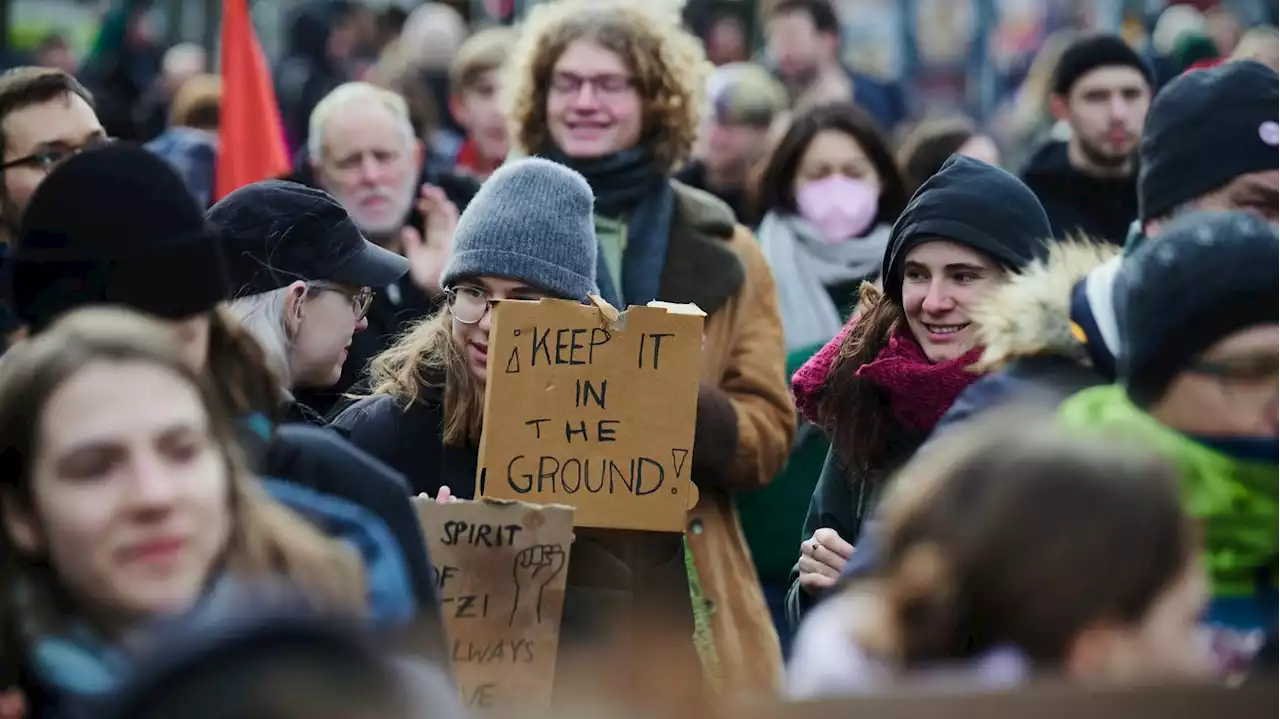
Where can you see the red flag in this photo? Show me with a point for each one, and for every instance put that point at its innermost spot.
(250, 134)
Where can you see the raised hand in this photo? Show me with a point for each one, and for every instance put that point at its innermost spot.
(429, 248)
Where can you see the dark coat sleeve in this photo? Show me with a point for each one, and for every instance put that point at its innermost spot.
(321, 460)
(835, 506)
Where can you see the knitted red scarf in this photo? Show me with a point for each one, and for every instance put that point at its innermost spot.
(919, 392)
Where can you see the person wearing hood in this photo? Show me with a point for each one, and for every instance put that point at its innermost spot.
(910, 352)
(116, 226)
(303, 277)
(966, 600)
(1053, 329)
(1102, 88)
(1198, 383)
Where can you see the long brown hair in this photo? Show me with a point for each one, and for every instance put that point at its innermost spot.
(266, 540)
(425, 360)
(854, 411)
(983, 544)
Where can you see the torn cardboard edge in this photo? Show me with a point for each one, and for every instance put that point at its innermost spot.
(490, 501)
(613, 320)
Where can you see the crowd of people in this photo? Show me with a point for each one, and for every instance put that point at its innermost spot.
(955, 423)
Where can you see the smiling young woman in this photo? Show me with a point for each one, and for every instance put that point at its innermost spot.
(909, 354)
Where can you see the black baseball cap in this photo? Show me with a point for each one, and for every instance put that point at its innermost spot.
(277, 232)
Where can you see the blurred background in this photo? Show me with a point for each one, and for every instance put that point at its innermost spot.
(943, 55)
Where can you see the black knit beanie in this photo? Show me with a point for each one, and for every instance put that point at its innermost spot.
(1205, 128)
(115, 225)
(1091, 52)
(974, 204)
(1205, 276)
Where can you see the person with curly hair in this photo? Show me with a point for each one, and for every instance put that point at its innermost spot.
(613, 89)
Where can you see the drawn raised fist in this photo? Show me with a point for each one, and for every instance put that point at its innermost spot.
(533, 569)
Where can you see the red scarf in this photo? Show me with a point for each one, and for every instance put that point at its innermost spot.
(469, 159)
(919, 392)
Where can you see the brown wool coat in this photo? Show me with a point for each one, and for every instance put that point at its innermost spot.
(746, 422)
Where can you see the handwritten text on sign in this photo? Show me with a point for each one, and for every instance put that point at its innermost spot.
(500, 570)
(593, 410)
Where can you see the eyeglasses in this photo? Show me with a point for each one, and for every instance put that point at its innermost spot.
(51, 157)
(467, 304)
(361, 299)
(568, 83)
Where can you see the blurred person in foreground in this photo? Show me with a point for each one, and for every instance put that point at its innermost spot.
(46, 116)
(125, 500)
(1102, 88)
(988, 581)
(364, 153)
(1197, 381)
(804, 39)
(613, 89)
(115, 226)
(272, 660)
(745, 103)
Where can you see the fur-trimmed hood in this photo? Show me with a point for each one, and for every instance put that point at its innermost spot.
(1031, 313)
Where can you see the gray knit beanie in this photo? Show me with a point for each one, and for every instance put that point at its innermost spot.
(531, 221)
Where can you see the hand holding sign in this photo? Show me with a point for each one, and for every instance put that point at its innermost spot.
(534, 568)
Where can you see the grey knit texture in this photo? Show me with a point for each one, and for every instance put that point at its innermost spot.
(532, 221)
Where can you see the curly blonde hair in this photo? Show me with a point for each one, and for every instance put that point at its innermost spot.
(669, 64)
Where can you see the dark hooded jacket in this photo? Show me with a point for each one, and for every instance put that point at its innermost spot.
(1031, 328)
(1079, 204)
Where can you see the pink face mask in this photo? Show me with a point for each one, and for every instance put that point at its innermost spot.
(839, 207)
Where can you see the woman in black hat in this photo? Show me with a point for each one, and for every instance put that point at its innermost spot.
(908, 354)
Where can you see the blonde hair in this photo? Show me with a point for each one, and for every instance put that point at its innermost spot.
(262, 317)
(354, 93)
(483, 52)
(197, 102)
(424, 359)
(669, 64)
(266, 538)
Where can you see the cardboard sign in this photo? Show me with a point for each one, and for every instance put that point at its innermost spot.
(500, 570)
(594, 409)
